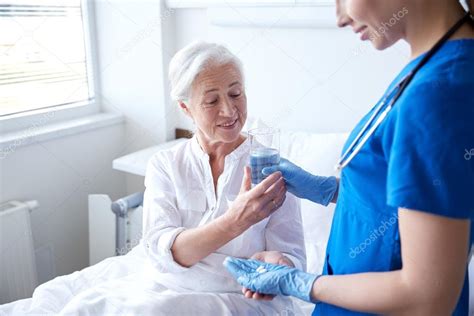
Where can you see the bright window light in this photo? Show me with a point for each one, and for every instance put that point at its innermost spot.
(42, 55)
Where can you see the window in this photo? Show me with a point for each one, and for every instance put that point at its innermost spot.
(43, 60)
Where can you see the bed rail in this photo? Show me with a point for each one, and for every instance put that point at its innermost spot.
(120, 208)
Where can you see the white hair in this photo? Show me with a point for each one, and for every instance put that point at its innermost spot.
(187, 63)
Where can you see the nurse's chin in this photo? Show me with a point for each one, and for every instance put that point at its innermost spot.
(382, 43)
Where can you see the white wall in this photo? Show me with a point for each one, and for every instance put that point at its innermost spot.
(130, 56)
(131, 66)
(308, 79)
(60, 173)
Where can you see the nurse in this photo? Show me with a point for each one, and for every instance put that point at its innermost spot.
(400, 236)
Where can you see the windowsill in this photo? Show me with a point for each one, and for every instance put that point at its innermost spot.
(55, 130)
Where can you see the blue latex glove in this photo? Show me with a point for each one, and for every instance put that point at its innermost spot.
(303, 184)
(276, 280)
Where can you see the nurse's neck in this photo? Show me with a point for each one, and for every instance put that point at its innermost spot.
(426, 24)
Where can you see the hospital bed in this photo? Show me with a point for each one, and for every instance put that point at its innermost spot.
(316, 153)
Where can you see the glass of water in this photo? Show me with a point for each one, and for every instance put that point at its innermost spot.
(264, 151)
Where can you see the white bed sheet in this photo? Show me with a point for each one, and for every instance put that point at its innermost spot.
(122, 286)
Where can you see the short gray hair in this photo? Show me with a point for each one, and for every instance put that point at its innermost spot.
(187, 63)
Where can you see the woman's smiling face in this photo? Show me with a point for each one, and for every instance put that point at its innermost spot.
(381, 22)
(218, 104)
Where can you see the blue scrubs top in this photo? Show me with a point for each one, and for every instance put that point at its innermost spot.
(416, 159)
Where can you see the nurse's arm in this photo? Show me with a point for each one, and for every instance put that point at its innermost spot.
(434, 256)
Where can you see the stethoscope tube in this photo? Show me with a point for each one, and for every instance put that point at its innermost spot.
(380, 113)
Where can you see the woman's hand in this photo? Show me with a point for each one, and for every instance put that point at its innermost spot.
(254, 204)
(251, 206)
(274, 257)
(305, 185)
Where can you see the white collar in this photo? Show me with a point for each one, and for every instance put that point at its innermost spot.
(236, 154)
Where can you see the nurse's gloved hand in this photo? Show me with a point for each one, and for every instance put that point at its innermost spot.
(268, 256)
(303, 184)
(271, 279)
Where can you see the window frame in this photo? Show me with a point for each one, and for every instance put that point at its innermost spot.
(63, 112)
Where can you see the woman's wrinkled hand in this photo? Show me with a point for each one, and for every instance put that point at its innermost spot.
(255, 204)
(274, 257)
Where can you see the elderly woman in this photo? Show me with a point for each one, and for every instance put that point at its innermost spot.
(199, 206)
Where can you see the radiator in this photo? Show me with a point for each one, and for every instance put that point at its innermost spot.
(18, 276)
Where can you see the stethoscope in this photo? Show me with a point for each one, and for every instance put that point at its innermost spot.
(381, 111)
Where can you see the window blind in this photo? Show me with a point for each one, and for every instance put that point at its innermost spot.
(42, 55)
